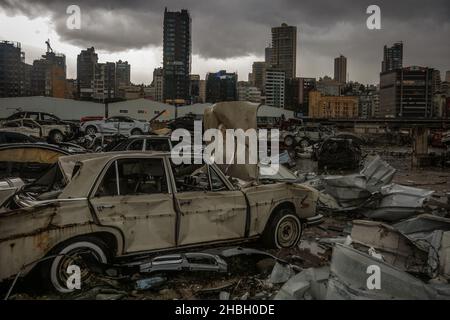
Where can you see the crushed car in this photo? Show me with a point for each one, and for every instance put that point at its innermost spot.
(54, 133)
(47, 119)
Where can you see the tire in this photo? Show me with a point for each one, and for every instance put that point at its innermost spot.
(91, 130)
(56, 136)
(54, 271)
(283, 230)
(289, 141)
(136, 132)
(304, 143)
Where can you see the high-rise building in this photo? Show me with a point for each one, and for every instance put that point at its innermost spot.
(275, 88)
(259, 74)
(340, 69)
(158, 84)
(392, 57)
(48, 75)
(176, 56)
(86, 62)
(202, 91)
(292, 93)
(221, 86)
(436, 81)
(447, 76)
(123, 74)
(305, 86)
(284, 49)
(328, 86)
(247, 92)
(332, 106)
(14, 72)
(268, 56)
(195, 88)
(407, 93)
(104, 81)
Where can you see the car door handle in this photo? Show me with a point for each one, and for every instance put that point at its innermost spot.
(105, 206)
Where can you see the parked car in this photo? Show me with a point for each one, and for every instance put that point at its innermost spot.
(121, 204)
(47, 119)
(54, 133)
(115, 125)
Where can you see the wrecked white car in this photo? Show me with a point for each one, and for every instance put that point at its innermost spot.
(55, 133)
(122, 204)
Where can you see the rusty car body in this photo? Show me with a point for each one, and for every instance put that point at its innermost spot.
(128, 203)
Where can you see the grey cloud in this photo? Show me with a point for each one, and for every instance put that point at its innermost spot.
(233, 28)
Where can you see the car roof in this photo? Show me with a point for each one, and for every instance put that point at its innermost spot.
(92, 164)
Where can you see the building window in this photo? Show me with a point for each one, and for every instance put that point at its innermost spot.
(123, 111)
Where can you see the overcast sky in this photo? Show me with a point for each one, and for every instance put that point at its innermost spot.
(231, 34)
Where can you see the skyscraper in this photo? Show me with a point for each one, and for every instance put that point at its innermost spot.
(158, 84)
(123, 74)
(48, 76)
(407, 93)
(284, 49)
(104, 81)
(86, 62)
(259, 74)
(176, 56)
(392, 57)
(268, 55)
(221, 86)
(14, 72)
(275, 88)
(340, 69)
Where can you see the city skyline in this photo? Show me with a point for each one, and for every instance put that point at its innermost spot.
(316, 47)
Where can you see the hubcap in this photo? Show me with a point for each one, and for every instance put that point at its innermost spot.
(287, 232)
(76, 257)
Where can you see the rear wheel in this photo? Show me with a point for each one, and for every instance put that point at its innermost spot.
(91, 130)
(283, 230)
(56, 136)
(74, 252)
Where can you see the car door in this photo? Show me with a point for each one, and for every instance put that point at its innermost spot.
(133, 195)
(125, 125)
(211, 210)
(31, 128)
(109, 125)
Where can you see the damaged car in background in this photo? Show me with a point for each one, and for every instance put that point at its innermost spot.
(54, 133)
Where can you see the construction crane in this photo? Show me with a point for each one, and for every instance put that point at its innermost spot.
(49, 47)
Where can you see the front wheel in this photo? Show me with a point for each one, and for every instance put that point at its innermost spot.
(56, 271)
(283, 230)
(136, 132)
(91, 130)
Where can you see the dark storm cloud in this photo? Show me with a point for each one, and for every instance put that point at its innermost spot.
(234, 28)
